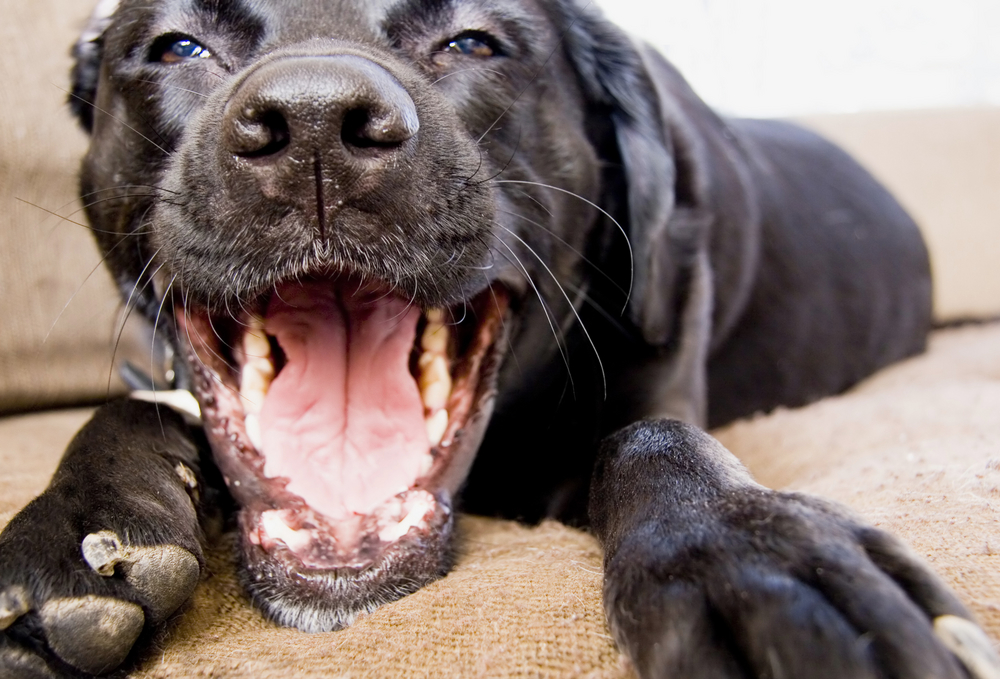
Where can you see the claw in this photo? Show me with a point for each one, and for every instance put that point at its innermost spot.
(92, 633)
(969, 644)
(189, 479)
(14, 602)
(103, 551)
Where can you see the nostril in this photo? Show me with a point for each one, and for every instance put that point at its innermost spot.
(259, 134)
(363, 130)
(356, 130)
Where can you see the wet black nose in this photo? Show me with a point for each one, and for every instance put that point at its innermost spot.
(325, 117)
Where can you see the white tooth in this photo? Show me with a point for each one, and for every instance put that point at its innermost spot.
(435, 337)
(435, 383)
(274, 526)
(427, 465)
(252, 425)
(435, 396)
(253, 389)
(258, 370)
(425, 360)
(255, 339)
(436, 425)
(414, 518)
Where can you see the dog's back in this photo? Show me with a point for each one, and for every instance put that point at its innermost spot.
(843, 283)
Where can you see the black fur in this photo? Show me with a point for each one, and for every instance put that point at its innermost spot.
(667, 269)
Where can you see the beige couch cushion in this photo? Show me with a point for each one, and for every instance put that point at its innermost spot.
(58, 312)
(916, 449)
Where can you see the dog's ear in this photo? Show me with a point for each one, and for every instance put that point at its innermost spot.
(87, 62)
(658, 156)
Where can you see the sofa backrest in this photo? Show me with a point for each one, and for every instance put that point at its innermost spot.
(59, 312)
(58, 309)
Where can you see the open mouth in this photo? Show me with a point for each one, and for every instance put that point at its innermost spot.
(343, 417)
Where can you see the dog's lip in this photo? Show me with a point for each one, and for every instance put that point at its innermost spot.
(265, 500)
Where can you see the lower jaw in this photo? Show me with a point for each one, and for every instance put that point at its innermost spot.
(324, 600)
(316, 544)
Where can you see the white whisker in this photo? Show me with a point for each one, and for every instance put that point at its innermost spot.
(628, 242)
(545, 310)
(597, 355)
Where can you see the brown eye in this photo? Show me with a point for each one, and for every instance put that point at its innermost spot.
(473, 44)
(173, 49)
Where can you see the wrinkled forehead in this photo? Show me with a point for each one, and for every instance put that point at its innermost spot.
(278, 22)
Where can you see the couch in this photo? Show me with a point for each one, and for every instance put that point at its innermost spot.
(915, 448)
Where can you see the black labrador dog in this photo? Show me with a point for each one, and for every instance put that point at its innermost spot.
(416, 255)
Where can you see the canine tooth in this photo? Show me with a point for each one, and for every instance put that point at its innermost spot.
(255, 342)
(253, 390)
(435, 383)
(252, 425)
(258, 370)
(436, 425)
(435, 337)
(435, 369)
(435, 396)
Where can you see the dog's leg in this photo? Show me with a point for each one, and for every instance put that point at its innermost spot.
(708, 574)
(110, 550)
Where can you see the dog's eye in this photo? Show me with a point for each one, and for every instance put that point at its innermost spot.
(473, 44)
(173, 49)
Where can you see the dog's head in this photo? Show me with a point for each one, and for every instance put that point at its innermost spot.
(343, 212)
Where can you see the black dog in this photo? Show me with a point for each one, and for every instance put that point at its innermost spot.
(414, 254)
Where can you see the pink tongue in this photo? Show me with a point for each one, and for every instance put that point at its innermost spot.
(343, 420)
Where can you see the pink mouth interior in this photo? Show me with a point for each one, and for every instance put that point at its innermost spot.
(343, 420)
(337, 462)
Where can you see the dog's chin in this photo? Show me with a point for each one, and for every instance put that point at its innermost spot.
(344, 419)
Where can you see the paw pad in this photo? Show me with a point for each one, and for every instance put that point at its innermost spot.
(92, 633)
(165, 575)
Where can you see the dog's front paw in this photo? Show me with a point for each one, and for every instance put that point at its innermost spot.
(777, 585)
(82, 606)
(109, 552)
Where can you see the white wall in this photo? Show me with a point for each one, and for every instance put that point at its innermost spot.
(793, 57)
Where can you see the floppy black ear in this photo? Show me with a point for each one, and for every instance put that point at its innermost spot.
(666, 228)
(87, 63)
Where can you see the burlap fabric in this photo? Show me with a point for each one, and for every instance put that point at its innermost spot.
(915, 449)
